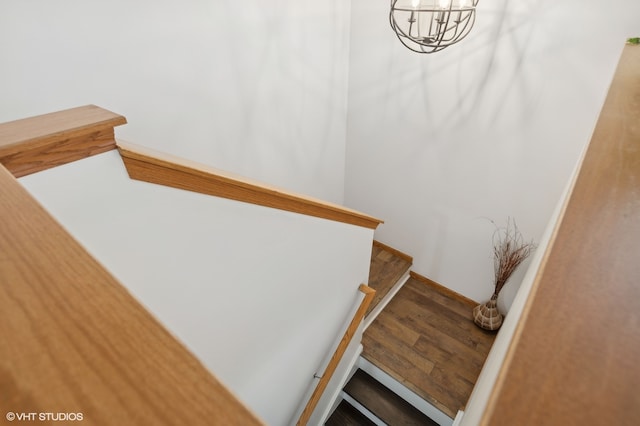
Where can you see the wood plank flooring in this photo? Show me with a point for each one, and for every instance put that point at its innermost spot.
(387, 267)
(385, 404)
(426, 339)
(347, 415)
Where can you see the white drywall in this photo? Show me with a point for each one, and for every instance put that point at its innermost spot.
(487, 129)
(330, 397)
(257, 88)
(258, 294)
(484, 386)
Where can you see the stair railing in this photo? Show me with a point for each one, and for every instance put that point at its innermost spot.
(33, 144)
(157, 167)
(369, 294)
(76, 340)
(38, 143)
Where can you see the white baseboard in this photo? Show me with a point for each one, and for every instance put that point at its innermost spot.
(364, 410)
(386, 299)
(352, 366)
(405, 393)
(458, 419)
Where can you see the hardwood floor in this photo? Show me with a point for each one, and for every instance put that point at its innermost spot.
(383, 403)
(426, 339)
(387, 267)
(347, 415)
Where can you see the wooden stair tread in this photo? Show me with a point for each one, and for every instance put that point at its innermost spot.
(347, 415)
(426, 339)
(387, 267)
(384, 403)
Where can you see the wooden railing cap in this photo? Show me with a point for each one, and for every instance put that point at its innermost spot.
(54, 124)
(33, 144)
(149, 165)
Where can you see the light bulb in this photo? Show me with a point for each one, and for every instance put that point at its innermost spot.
(444, 4)
(415, 3)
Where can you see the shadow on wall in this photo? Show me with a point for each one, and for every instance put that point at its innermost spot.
(489, 64)
(514, 30)
(503, 40)
(290, 90)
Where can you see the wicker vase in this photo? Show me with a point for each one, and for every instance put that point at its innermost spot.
(487, 315)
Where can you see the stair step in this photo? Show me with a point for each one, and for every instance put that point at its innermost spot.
(382, 402)
(347, 415)
(388, 265)
(425, 339)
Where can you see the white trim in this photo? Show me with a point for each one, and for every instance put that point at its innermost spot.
(405, 393)
(340, 376)
(364, 410)
(337, 395)
(458, 419)
(386, 299)
(485, 385)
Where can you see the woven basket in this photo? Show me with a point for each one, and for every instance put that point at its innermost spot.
(487, 315)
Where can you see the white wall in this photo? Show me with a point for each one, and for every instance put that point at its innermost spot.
(489, 128)
(259, 295)
(254, 87)
(479, 398)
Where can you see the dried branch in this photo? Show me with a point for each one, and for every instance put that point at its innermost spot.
(509, 251)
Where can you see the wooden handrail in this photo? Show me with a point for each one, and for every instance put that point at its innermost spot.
(37, 143)
(573, 359)
(369, 294)
(155, 167)
(76, 341)
(79, 342)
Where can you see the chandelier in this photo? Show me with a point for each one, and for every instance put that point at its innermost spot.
(428, 26)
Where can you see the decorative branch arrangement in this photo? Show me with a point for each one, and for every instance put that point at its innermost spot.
(509, 251)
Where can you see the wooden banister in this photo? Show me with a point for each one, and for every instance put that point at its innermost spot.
(155, 167)
(37, 143)
(369, 294)
(75, 341)
(573, 359)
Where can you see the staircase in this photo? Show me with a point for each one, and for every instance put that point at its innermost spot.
(375, 404)
(422, 353)
(388, 272)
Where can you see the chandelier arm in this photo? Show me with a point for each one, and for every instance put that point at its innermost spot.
(458, 34)
(446, 26)
(398, 31)
(468, 23)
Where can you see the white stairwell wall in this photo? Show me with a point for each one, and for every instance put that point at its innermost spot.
(331, 396)
(258, 294)
(257, 88)
(489, 128)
